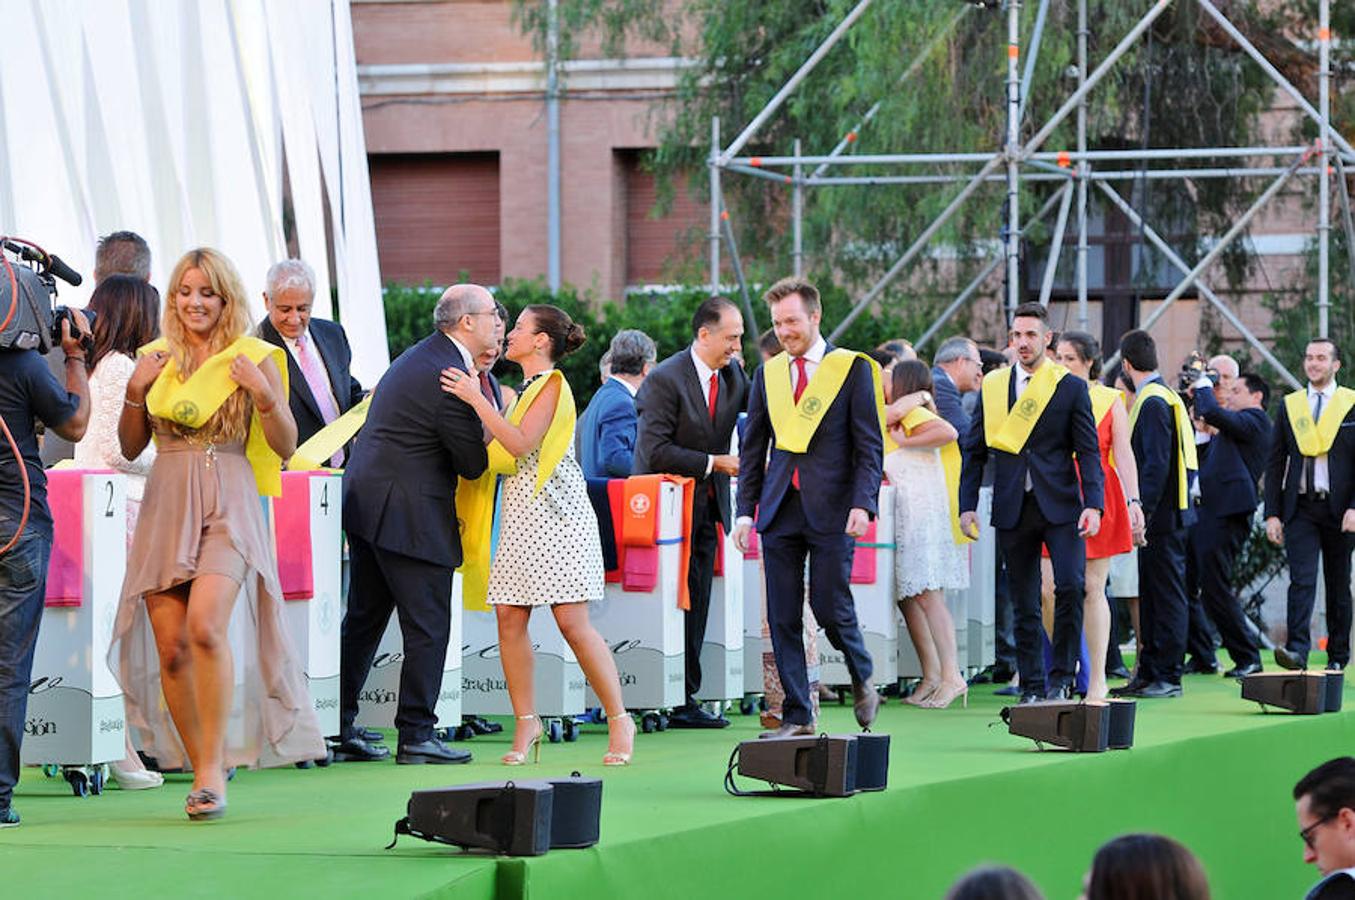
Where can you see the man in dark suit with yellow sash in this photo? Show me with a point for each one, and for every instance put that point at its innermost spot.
(1310, 502)
(1163, 440)
(810, 467)
(1035, 422)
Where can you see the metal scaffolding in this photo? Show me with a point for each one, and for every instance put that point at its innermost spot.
(1018, 162)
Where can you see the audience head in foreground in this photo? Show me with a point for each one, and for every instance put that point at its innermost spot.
(994, 883)
(1145, 867)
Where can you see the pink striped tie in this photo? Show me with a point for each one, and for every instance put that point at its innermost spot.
(318, 381)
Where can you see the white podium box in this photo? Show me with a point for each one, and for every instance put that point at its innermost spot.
(379, 697)
(982, 571)
(645, 629)
(75, 709)
(754, 603)
(557, 679)
(875, 609)
(722, 653)
(313, 622)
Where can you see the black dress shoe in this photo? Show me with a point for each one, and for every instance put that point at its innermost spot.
(1201, 667)
(1336, 667)
(355, 749)
(695, 717)
(1128, 690)
(1287, 660)
(1062, 692)
(1243, 671)
(1158, 690)
(1010, 690)
(431, 751)
(1030, 697)
(1119, 672)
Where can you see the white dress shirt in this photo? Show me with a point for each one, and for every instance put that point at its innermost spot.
(1321, 476)
(703, 376)
(310, 343)
(466, 355)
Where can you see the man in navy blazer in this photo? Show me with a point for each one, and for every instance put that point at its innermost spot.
(1164, 609)
(813, 504)
(1038, 498)
(399, 512)
(1229, 473)
(957, 369)
(607, 428)
(325, 389)
(1310, 510)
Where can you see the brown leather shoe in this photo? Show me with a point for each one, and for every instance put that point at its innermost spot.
(866, 703)
(789, 729)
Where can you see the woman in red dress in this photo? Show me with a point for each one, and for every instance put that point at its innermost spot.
(1122, 522)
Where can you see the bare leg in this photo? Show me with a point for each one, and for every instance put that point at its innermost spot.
(920, 633)
(515, 652)
(595, 658)
(942, 628)
(1096, 626)
(1047, 596)
(1133, 603)
(210, 601)
(168, 613)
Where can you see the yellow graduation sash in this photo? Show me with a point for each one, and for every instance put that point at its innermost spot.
(1185, 435)
(950, 461)
(1008, 430)
(1315, 440)
(327, 441)
(475, 499)
(192, 402)
(1103, 398)
(795, 423)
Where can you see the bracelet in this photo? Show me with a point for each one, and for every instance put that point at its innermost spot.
(265, 412)
(126, 402)
(73, 357)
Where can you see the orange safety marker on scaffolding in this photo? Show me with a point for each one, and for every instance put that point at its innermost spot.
(755, 162)
(1065, 161)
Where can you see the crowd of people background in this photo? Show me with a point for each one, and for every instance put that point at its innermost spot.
(1141, 486)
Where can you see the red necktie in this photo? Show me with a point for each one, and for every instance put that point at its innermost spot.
(713, 394)
(487, 389)
(801, 382)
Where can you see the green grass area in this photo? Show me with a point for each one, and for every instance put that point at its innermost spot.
(1207, 769)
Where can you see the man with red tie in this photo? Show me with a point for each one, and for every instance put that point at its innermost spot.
(688, 407)
(320, 386)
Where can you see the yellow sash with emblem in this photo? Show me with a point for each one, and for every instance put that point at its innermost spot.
(475, 499)
(1008, 430)
(1186, 458)
(1103, 398)
(1316, 439)
(191, 402)
(796, 423)
(950, 461)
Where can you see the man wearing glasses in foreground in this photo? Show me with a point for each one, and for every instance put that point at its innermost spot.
(1325, 804)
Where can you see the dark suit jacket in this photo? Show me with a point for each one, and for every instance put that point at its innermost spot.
(329, 339)
(948, 403)
(1285, 469)
(1155, 451)
(676, 434)
(399, 488)
(1236, 458)
(1065, 429)
(606, 433)
(841, 469)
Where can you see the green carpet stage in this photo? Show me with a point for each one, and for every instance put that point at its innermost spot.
(1207, 769)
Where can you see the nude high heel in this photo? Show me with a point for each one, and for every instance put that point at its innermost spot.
(519, 757)
(615, 757)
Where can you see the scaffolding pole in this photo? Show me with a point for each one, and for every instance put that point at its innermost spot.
(797, 208)
(1346, 218)
(1216, 251)
(1013, 155)
(1175, 259)
(552, 146)
(1092, 175)
(1083, 171)
(715, 195)
(1054, 156)
(1056, 245)
(1324, 180)
(737, 264)
(1029, 75)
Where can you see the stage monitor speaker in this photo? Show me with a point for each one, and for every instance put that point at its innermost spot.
(823, 766)
(1121, 734)
(872, 761)
(576, 812)
(1080, 727)
(1336, 682)
(506, 817)
(1300, 692)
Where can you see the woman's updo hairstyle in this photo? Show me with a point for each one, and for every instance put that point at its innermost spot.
(565, 334)
(1087, 349)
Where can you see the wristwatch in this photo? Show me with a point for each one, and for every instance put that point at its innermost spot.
(1132, 500)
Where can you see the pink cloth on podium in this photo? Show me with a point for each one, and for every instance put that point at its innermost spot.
(863, 560)
(292, 536)
(66, 568)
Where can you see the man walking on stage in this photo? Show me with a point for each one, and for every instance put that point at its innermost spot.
(810, 467)
(1035, 422)
(688, 407)
(1163, 440)
(1309, 504)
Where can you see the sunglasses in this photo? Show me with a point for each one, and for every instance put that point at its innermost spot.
(1307, 833)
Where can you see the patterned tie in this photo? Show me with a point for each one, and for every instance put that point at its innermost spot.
(314, 372)
(801, 382)
(713, 395)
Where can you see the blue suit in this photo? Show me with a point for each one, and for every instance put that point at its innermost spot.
(1046, 514)
(949, 404)
(606, 433)
(840, 470)
(1229, 473)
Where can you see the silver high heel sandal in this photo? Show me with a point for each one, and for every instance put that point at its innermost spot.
(519, 757)
(614, 757)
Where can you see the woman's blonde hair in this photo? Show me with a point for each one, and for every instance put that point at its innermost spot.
(231, 421)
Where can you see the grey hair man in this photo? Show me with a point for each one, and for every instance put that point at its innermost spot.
(607, 428)
(957, 369)
(122, 253)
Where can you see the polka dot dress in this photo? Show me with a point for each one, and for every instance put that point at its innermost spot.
(549, 551)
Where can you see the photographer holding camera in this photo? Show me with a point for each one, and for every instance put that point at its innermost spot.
(28, 394)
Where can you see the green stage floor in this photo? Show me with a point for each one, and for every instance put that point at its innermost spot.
(1207, 769)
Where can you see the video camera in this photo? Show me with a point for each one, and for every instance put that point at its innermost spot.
(1196, 364)
(28, 298)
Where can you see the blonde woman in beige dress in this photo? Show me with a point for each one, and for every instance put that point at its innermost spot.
(200, 539)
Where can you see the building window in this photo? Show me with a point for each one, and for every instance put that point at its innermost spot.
(654, 245)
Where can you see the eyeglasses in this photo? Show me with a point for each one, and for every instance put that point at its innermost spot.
(484, 312)
(1307, 833)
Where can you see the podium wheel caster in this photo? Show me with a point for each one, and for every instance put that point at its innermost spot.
(78, 781)
(555, 731)
(230, 774)
(762, 704)
(571, 731)
(463, 732)
(329, 758)
(746, 706)
(663, 722)
(305, 764)
(51, 770)
(649, 723)
(97, 780)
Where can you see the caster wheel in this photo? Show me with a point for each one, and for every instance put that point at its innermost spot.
(305, 764)
(841, 697)
(97, 779)
(663, 722)
(78, 781)
(746, 706)
(649, 723)
(556, 731)
(762, 704)
(571, 731)
(51, 770)
(464, 732)
(329, 758)
(596, 716)
(230, 774)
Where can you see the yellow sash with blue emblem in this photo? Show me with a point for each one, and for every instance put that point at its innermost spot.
(1008, 430)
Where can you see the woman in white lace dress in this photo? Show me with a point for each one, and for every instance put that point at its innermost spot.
(928, 562)
(126, 316)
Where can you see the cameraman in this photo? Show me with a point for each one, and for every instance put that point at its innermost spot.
(28, 393)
